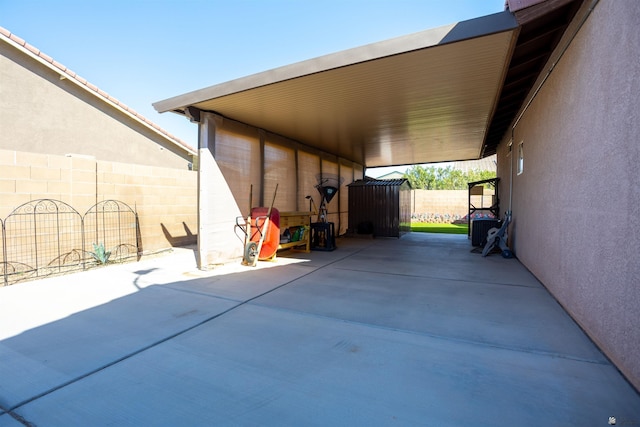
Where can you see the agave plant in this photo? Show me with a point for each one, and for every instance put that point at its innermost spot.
(100, 253)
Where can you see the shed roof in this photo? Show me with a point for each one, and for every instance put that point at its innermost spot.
(443, 94)
(373, 182)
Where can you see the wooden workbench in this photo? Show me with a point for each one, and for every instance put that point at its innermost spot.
(297, 219)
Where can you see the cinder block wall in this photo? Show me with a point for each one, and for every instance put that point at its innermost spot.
(164, 198)
(446, 205)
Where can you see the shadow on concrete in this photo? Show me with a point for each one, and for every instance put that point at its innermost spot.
(188, 238)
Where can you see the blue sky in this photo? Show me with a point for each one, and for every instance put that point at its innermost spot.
(142, 51)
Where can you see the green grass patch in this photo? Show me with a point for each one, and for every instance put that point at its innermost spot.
(425, 227)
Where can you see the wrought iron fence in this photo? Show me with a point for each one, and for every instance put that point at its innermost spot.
(114, 225)
(45, 237)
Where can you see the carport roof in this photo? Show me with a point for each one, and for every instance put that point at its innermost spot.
(421, 98)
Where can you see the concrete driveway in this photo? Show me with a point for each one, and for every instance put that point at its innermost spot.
(411, 331)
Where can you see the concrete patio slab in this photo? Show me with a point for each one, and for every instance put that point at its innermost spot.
(411, 257)
(293, 369)
(7, 420)
(51, 354)
(410, 331)
(509, 316)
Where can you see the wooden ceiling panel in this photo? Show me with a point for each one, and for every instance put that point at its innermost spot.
(422, 106)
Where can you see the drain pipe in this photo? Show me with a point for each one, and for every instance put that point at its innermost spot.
(562, 51)
(510, 154)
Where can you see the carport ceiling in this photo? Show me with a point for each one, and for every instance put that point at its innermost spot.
(422, 98)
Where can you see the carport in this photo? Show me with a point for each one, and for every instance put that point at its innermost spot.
(416, 330)
(439, 95)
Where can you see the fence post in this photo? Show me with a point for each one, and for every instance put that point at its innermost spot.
(4, 256)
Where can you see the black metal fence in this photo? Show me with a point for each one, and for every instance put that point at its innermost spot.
(45, 237)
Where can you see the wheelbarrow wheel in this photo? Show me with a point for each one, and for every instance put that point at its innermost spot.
(251, 252)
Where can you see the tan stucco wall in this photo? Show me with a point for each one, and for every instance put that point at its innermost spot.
(42, 113)
(165, 198)
(577, 203)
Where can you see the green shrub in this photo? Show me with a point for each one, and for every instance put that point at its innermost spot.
(100, 254)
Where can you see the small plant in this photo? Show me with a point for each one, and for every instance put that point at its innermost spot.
(100, 253)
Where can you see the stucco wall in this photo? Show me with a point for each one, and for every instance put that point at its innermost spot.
(577, 203)
(165, 198)
(42, 113)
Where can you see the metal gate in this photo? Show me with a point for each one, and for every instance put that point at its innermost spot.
(112, 225)
(45, 237)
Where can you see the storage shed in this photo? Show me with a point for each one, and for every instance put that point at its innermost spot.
(381, 207)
